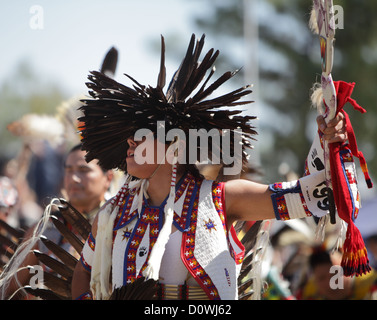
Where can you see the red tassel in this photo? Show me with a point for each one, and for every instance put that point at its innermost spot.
(355, 258)
(355, 150)
(364, 168)
(343, 95)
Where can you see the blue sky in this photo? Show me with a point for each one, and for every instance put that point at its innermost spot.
(77, 34)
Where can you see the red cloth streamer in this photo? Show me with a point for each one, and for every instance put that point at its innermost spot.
(355, 259)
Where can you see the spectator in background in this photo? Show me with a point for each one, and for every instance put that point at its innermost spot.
(85, 184)
(45, 172)
(327, 282)
(85, 187)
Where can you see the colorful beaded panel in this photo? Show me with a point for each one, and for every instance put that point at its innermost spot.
(279, 200)
(188, 247)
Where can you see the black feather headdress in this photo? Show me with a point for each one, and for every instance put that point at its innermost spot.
(116, 111)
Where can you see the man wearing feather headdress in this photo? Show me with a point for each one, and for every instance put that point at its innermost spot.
(168, 225)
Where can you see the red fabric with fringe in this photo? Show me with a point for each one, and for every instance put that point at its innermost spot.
(355, 259)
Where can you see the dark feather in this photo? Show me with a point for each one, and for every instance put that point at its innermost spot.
(75, 219)
(140, 289)
(246, 296)
(162, 74)
(117, 111)
(76, 243)
(246, 264)
(109, 63)
(242, 288)
(58, 285)
(249, 239)
(44, 294)
(6, 252)
(17, 233)
(54, 264)
(244, 272)
(247, 261)
(69, 260)
(239, 226)
(5, 241)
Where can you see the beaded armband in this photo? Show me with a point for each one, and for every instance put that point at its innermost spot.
(288, 201)
(300, 198)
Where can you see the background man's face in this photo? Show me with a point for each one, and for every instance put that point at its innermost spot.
(85, 183)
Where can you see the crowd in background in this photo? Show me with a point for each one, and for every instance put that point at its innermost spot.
(298, 262)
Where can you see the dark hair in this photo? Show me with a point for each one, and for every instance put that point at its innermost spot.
(75, 148)
(78, 147)
(319, 257)
(193, 169)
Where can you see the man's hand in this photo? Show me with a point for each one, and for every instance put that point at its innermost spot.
(335, 130)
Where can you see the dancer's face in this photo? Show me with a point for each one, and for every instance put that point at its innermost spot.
(143, 157)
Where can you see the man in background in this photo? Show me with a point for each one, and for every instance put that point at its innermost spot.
(85, 188)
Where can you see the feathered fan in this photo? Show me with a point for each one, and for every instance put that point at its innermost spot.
(58, 276)
(117, 111)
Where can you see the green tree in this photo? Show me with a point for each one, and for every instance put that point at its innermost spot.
(289, 64)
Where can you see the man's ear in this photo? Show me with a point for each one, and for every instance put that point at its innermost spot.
(110, 176)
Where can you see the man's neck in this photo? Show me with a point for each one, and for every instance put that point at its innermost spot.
(159, 184)
(85, 210)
